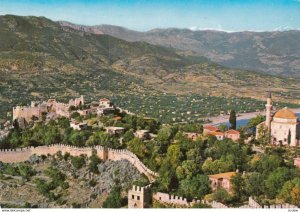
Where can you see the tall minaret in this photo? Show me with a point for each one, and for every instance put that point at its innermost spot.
(268, 111)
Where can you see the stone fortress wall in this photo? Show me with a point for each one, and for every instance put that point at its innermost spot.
(253, 204)
(139, 197)
(19, 155)
(36, 109)
(180, 201)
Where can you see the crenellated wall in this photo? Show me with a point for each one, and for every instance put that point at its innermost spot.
(171, 199)
(253, 204)
(176, 200)
(19, 155)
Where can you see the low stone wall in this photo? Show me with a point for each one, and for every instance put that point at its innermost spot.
(19, 155)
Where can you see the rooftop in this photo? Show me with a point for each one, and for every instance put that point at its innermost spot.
(233, 132)
(285, 113)
(226, 175)
(211, 128)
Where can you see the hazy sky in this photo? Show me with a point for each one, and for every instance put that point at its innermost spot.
(234, 15)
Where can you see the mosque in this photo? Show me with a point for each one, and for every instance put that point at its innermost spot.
(283, 126)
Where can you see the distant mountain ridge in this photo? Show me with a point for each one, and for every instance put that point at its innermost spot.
(275, 52)
(41, 59)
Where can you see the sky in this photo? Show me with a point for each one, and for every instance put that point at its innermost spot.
(143, 15)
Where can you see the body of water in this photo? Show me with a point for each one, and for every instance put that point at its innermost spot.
(244, 122)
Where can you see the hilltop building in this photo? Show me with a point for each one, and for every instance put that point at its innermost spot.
(284, 126)
(36, 109)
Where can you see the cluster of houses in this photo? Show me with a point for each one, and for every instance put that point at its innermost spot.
(53, 109)
(215, 131)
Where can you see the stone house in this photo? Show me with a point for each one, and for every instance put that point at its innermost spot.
(105, 103)
(221, 180)
(115, 130)
(232, 134)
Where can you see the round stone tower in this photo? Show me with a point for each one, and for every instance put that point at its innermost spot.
(268, 111)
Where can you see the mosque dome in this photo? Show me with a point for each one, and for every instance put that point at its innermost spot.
(285, 113)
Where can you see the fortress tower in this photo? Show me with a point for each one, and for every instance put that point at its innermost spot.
(268, 111)
(139, 197)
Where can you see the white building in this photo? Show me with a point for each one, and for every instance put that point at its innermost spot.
(115, 130)
(78, 126)
(284, 126)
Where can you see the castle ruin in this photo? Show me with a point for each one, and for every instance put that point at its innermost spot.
(37, 109)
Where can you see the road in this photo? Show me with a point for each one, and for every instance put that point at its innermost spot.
(215, 120)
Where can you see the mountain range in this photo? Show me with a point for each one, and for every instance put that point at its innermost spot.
(41, 59)
(276, 52)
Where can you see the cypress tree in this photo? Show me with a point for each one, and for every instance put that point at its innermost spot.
(232, 119)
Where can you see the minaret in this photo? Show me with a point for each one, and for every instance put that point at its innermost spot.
(268, 111)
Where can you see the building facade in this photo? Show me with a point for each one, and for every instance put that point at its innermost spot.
(284, 126)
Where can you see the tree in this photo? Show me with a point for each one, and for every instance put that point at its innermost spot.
(285, 193)
(253, 122)
(267, 163)
(289, 137)
(276, 180)
(221, 195)
(232, 119)
(187, 169)
(138, 147)
(295, 193)
(128, 136)
(174, 155)
(223, 127)
(238, 186)
(195, 186)
(93, 165)
(114, 199)
(167, 177)
(78, 162)
(264, 136)
(217, 166)
(26, 171)
(255, 184)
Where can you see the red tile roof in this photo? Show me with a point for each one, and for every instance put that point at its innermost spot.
(211, 128)
(233, 132)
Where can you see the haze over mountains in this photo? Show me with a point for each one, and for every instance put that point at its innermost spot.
(275, 52)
